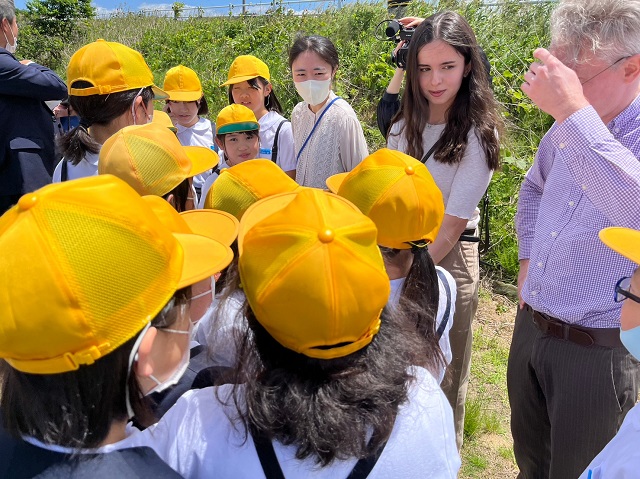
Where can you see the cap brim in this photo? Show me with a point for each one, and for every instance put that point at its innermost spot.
(184, 95)
(240, 79)
(203, 257)
(624, 241)
(218, 225)
(238, 127)
(334, 182)
(202, 159)
(159, 94)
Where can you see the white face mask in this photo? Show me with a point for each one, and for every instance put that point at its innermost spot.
(314, 92)
(9, 47)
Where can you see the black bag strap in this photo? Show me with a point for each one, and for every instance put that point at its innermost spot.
(64, 172)
(274, 148)
(430, 152)
(447, 311)
(484, 223)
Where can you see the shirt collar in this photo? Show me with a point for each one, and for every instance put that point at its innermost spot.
(632, 112)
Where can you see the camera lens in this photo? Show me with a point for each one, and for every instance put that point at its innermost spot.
(392, 29)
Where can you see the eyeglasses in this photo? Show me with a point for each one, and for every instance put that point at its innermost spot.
(605, 69)
(622, 291)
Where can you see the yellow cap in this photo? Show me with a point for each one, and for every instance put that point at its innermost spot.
(182, 84)
(163, 119)
(312, 272)
(151, 159)
(398, 193)
(242, 185)
(234, 119)
(84, 266)
(625, 241)
(246, 67)
(110, 67)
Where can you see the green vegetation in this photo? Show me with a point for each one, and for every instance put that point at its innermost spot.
(509, 33)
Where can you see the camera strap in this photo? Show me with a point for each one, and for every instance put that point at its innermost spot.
(304, 145)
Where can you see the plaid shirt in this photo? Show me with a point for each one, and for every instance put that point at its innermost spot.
(586, 176)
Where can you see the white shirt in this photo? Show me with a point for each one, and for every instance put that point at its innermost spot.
(336, 146)
(196, 438)
(88, 166)
(200, 134)
(444, 342)
(286, 155)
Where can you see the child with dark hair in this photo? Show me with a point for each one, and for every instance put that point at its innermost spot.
(110, 87)
(111, 272)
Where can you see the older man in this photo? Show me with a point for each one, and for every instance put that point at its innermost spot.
(570, 379)
(27, 153)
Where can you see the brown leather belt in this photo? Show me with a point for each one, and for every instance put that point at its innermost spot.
(607, 337)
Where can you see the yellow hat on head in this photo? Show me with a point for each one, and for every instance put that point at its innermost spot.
(398, 193)
(151, 159)
(182, 84)
(101, 265)
(312, 272)
(246, 67)
(625, 241)
(236, 118)
(163, 119)
(109, 67)
(240, 186)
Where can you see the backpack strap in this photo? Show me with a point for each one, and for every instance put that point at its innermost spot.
(64, 172)
(274, 148)
(267, 456)
(447, 311)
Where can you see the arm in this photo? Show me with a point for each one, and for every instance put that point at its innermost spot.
(393, 139)
(353, 146)
(389, 104)
(449, 234)
(31, 81)
(522, 275)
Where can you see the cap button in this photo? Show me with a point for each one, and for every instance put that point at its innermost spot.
(27, 201)
(326, 236)
(409, 170)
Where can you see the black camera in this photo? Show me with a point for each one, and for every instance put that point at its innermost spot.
(397, 32)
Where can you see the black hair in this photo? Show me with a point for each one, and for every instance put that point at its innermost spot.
(271, 102)
(203, 107)
(180, 195)
(321, 46)
(95, 110)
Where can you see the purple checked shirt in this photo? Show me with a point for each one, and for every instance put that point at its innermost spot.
(585, 177)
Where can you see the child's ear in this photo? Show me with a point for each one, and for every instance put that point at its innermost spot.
(219, 143)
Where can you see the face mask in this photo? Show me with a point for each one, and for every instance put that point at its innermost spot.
(8, 47)
(314, 92)
(631, 340)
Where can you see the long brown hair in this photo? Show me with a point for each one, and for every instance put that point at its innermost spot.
(473, 107)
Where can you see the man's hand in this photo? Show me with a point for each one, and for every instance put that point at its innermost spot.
(522, 275)
(553, 87)
(26, 62)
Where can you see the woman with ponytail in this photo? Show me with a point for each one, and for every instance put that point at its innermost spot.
(398, 193)
(107, 99)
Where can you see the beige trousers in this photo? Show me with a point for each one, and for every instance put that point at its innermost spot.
(463, 264)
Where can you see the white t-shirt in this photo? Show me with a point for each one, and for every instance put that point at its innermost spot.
(200, 134)
(286, 155)
(444, 342)
(196, 438)
(462, 184)
(620, 459)
(336, 146)
(210, 181)
(87, 166)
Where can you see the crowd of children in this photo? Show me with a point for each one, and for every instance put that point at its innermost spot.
(256, 296)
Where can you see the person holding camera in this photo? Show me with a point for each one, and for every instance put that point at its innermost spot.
(449, 119)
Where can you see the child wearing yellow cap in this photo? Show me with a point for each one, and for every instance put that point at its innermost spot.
(238, 138)
(111, 273)
(110, 87)
(324, 382)
(186, 106)
(249, 85)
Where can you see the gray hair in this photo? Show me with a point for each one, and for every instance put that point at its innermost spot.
(603, 29)
(7, 10)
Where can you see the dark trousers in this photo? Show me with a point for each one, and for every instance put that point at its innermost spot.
(567, 401)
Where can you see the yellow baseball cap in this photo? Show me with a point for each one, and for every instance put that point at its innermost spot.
(110, 67)
(246, 67)
(625, 241)
(182, 84)
(240, 186)
(398, 193)
(85, 265)
(234, 119)
(163, 119)
(151, 159)
(312, 272)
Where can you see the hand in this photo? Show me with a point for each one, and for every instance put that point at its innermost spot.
(522, 275)
(26, 62)
(553, 87)
(411, 22)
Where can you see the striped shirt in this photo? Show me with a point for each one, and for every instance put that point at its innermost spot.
(585, 177)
